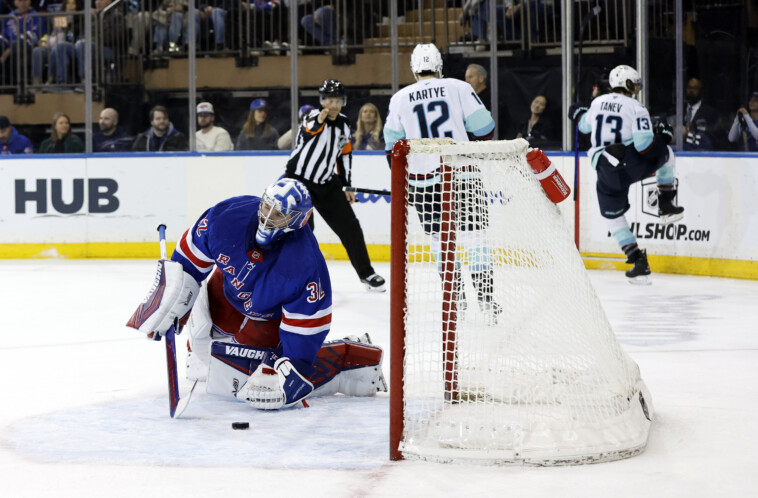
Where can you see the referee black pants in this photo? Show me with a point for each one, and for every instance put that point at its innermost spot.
(331, 203)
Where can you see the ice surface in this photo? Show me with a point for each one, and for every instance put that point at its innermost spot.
(85, 408)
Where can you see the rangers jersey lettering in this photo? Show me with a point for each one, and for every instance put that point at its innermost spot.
(287, 281)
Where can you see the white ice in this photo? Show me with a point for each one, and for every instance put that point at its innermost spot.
(85, 410)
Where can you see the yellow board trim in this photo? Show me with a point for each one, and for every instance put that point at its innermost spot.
(727, 268)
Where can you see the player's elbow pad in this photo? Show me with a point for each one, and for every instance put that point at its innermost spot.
(169, 301)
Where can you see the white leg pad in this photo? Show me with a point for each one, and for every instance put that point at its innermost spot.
(198, 330)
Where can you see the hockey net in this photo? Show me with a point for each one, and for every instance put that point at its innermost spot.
(501, 350)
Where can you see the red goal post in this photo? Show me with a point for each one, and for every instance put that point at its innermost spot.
(500, 350)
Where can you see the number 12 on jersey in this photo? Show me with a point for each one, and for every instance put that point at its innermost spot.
(432, 130)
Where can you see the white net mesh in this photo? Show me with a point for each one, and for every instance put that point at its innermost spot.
(534, 372)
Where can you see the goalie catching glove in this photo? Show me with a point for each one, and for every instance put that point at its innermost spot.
(168, 303)
(271, 389)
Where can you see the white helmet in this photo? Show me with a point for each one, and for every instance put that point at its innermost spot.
(621, 76)
(426, 57)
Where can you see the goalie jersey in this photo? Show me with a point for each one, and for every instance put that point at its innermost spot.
(436, 107)
(287, 281)
(614, 118)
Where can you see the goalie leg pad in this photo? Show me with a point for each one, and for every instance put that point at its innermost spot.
(351, 367)
(199, 328)
(169, 301)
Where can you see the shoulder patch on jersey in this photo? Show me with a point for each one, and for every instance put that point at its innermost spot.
(255, 256)
(202, 226)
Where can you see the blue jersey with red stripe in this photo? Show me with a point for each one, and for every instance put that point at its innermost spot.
(288, 280)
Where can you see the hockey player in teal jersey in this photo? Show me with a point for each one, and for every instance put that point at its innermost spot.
(627, 148)
(445, 107)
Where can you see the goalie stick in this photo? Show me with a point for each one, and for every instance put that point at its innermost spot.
(359, 190)
(176, 405)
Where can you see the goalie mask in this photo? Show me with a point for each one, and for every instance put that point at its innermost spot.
(627, 78)
(332, 89)
(426, 58)
(285, 206)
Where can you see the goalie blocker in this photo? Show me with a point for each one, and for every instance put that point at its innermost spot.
(351, 366)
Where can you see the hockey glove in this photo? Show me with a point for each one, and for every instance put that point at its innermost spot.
(262, 389)
(168, 303)
(576, 110)
(665, 130)
(292, 382)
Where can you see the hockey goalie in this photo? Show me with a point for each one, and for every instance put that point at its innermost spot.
(257, 324)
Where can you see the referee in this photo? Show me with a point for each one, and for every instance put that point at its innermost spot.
(323, 160)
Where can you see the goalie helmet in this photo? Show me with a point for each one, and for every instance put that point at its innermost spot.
(426, 58)
(285, 206)
(332, 89)
(625, 77)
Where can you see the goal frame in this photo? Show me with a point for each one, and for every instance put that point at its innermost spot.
(401, 259)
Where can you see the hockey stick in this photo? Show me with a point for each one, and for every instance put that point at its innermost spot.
(585, 21)
(175, 404)
(360, 190)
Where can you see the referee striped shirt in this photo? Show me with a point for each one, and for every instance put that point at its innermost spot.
(322, 150)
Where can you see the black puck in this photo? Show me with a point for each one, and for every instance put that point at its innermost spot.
(240, 425)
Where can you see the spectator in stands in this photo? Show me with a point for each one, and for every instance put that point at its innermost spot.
(257, 133)
(21, 34)
(267, 25)
(11, 141)
(113, 31)
(216, 14)
(110, 138)
(476, 76)
(701, 121)
(56, 49)
(161, 136)
(368, 131)
(285, 141)
(61, 139)
(537, 130)
(322, 25)
(169, 20)
(210, 138)
(476, 12)
(744, 129)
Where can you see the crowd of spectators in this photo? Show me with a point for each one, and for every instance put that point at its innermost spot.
(703, 128)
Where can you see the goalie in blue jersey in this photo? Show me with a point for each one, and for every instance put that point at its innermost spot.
(258, 324)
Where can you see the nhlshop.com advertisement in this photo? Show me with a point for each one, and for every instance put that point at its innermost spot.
(720, 198)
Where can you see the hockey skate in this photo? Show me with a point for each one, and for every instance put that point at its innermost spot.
(639, 273)
(667, 211)
(374, 283)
